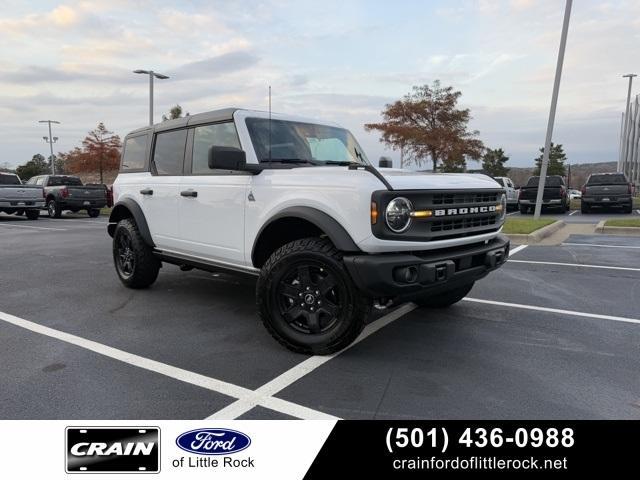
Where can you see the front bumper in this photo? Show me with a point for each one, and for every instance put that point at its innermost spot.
(405, 275)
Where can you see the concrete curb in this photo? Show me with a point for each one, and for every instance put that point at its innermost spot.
(600, 228)
(535, 237)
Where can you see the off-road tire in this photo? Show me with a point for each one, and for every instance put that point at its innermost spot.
(32, 214)
(145, 266)
(352, 308)
(443, 300)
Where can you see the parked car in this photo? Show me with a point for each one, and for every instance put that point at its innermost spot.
(66, 192)
(575, 194)
(510, 189)
(555, 194)
(296, 203)
(19, 199)
(607, 190)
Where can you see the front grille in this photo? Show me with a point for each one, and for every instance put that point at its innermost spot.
(463, 223)
(458, 198)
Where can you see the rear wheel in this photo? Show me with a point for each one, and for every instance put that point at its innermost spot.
(32, 214)
(524, 209)
(135, 263)
(628, 208)
(307, 300)
(93, 212)
(54, 209)
(445, 299)
(19, 212)
(585, 208)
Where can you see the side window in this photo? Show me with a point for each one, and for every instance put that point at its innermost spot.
(168, 155)
(220, 135)
(40, 181)
(135, 149)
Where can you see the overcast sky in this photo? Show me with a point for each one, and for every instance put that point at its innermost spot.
(337, 60)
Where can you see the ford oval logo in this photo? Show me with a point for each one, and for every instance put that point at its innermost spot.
(213, 441)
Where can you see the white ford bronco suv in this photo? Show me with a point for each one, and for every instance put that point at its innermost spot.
(296, 203)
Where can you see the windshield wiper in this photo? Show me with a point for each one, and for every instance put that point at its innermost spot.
(342, 163)
(288, 160)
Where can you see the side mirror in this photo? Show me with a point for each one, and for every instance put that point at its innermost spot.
(227, 158)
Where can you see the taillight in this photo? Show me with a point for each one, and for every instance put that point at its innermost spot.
(64, 192)
(583, 190)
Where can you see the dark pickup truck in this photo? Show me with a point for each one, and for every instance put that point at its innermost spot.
(18, 198)
(556, 194)
(65, 192)
(607, 190)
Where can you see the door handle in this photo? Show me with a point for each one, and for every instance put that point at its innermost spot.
(146, 191)
(189, 193)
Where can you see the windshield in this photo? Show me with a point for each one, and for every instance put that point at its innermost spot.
(616, 179)
(303, 142)
(9, 180)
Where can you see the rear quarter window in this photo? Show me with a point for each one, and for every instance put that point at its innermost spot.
(135, 153)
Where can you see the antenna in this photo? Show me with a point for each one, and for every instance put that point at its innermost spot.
(269, 122)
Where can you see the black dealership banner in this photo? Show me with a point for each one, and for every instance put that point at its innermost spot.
(399, 449)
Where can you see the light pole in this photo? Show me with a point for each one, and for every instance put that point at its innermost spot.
(622, 163)
(51, 140)
(552, 111)
(151, 74)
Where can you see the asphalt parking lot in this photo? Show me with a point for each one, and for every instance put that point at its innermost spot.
(555, 333)
(576, 216)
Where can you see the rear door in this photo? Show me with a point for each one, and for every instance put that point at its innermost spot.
(159, 200)
(212, 207)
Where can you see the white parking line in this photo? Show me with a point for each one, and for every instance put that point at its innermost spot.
(512, 213)
(176, 373)
(597, 245)
(575, 211)
(90, 223)
(554, 310)
(517, 249)
(31, 226)
(265, 393)
(575, 265)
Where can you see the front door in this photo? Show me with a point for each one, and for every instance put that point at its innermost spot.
(212, 205)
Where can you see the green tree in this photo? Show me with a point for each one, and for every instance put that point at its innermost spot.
(175, 112)
(427, 124)
(38, 165)
(493, 162)
(557, 158)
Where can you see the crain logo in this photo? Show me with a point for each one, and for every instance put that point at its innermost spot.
(463, 211)
(213, 441)
(114, 450)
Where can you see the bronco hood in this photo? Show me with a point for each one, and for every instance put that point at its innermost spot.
(408, 180)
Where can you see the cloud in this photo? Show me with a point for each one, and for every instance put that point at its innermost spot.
(216, 66)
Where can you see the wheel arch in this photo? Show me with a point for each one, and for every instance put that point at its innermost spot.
(294, 223)
(129, 208)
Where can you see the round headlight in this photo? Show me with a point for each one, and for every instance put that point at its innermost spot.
(503, 203)
(397, 215)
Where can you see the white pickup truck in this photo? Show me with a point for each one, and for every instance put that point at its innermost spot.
(296, 203)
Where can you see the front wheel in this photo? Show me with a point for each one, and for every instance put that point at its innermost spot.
(32, 214)
(445, 299)
(93, 212)
(135, 263)
(307, 300)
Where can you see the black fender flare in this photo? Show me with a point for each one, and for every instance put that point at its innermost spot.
(336, 232)
(130, 208)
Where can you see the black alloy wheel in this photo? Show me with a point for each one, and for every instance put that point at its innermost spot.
(308, 296)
